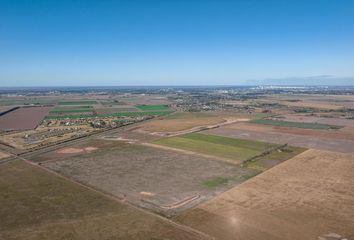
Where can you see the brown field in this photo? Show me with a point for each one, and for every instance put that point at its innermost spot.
(24, 118)
(3, 155)
(307, 197)
(312, 104)
(157, 179)
(340, 134)
(37, 205)
(332, 140)
(181, 121)
(314, 101)
(186, 121)
(321, 120)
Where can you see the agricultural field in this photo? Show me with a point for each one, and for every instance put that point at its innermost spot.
(184, 121)
(184, 163)
(158, 107)
(231, 149)
(116, 114)
(315, 101)
(274, 158)
(332, 140)
(112, 102)
(38, 205)
(112, 110)
(323, 118)
(298, 199)
(307, 125)
(83, 102)
(71, 110)
(160, 180)
(23, 118)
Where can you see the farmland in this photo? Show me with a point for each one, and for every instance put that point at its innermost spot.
(333, 140)
(294, 124)
(118, 114)
(36, 204)
(298, 199)
(148, 177)
(183, 121)
(159, 107)
(222, 147)
(83, 102)
(177, 163)
(24, 118)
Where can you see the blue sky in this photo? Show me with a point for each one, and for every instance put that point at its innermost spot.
(121, 42)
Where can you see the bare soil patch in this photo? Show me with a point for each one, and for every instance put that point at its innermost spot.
(180, 122)
(316, 139)
(38, 205)
(324, 134)
(70, 150)
(307, 197)
(24, 118)
(322, 120)
(3, 155)
(129, 171)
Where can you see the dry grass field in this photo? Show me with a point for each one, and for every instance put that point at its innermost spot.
(341, 140)
(182, 121)
(333, 102)
(321, 120)
(310, 196)
(37, 205)
(161, 180)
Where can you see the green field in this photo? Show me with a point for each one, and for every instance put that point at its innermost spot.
(119, 114)
(224, 147)
(89, 102)
(158, 107)
(108, 103)
(80, 110)
(294, 124)
(113, 110)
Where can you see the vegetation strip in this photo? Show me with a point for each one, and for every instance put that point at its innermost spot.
(119, 114)
(70, 110)
(294, 124)
(157, 107)
(78, 103)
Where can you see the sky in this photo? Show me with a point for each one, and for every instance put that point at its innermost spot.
(181, 42)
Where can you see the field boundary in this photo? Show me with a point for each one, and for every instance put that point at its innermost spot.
(264, 153)
(192, 153)
(121, 201)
